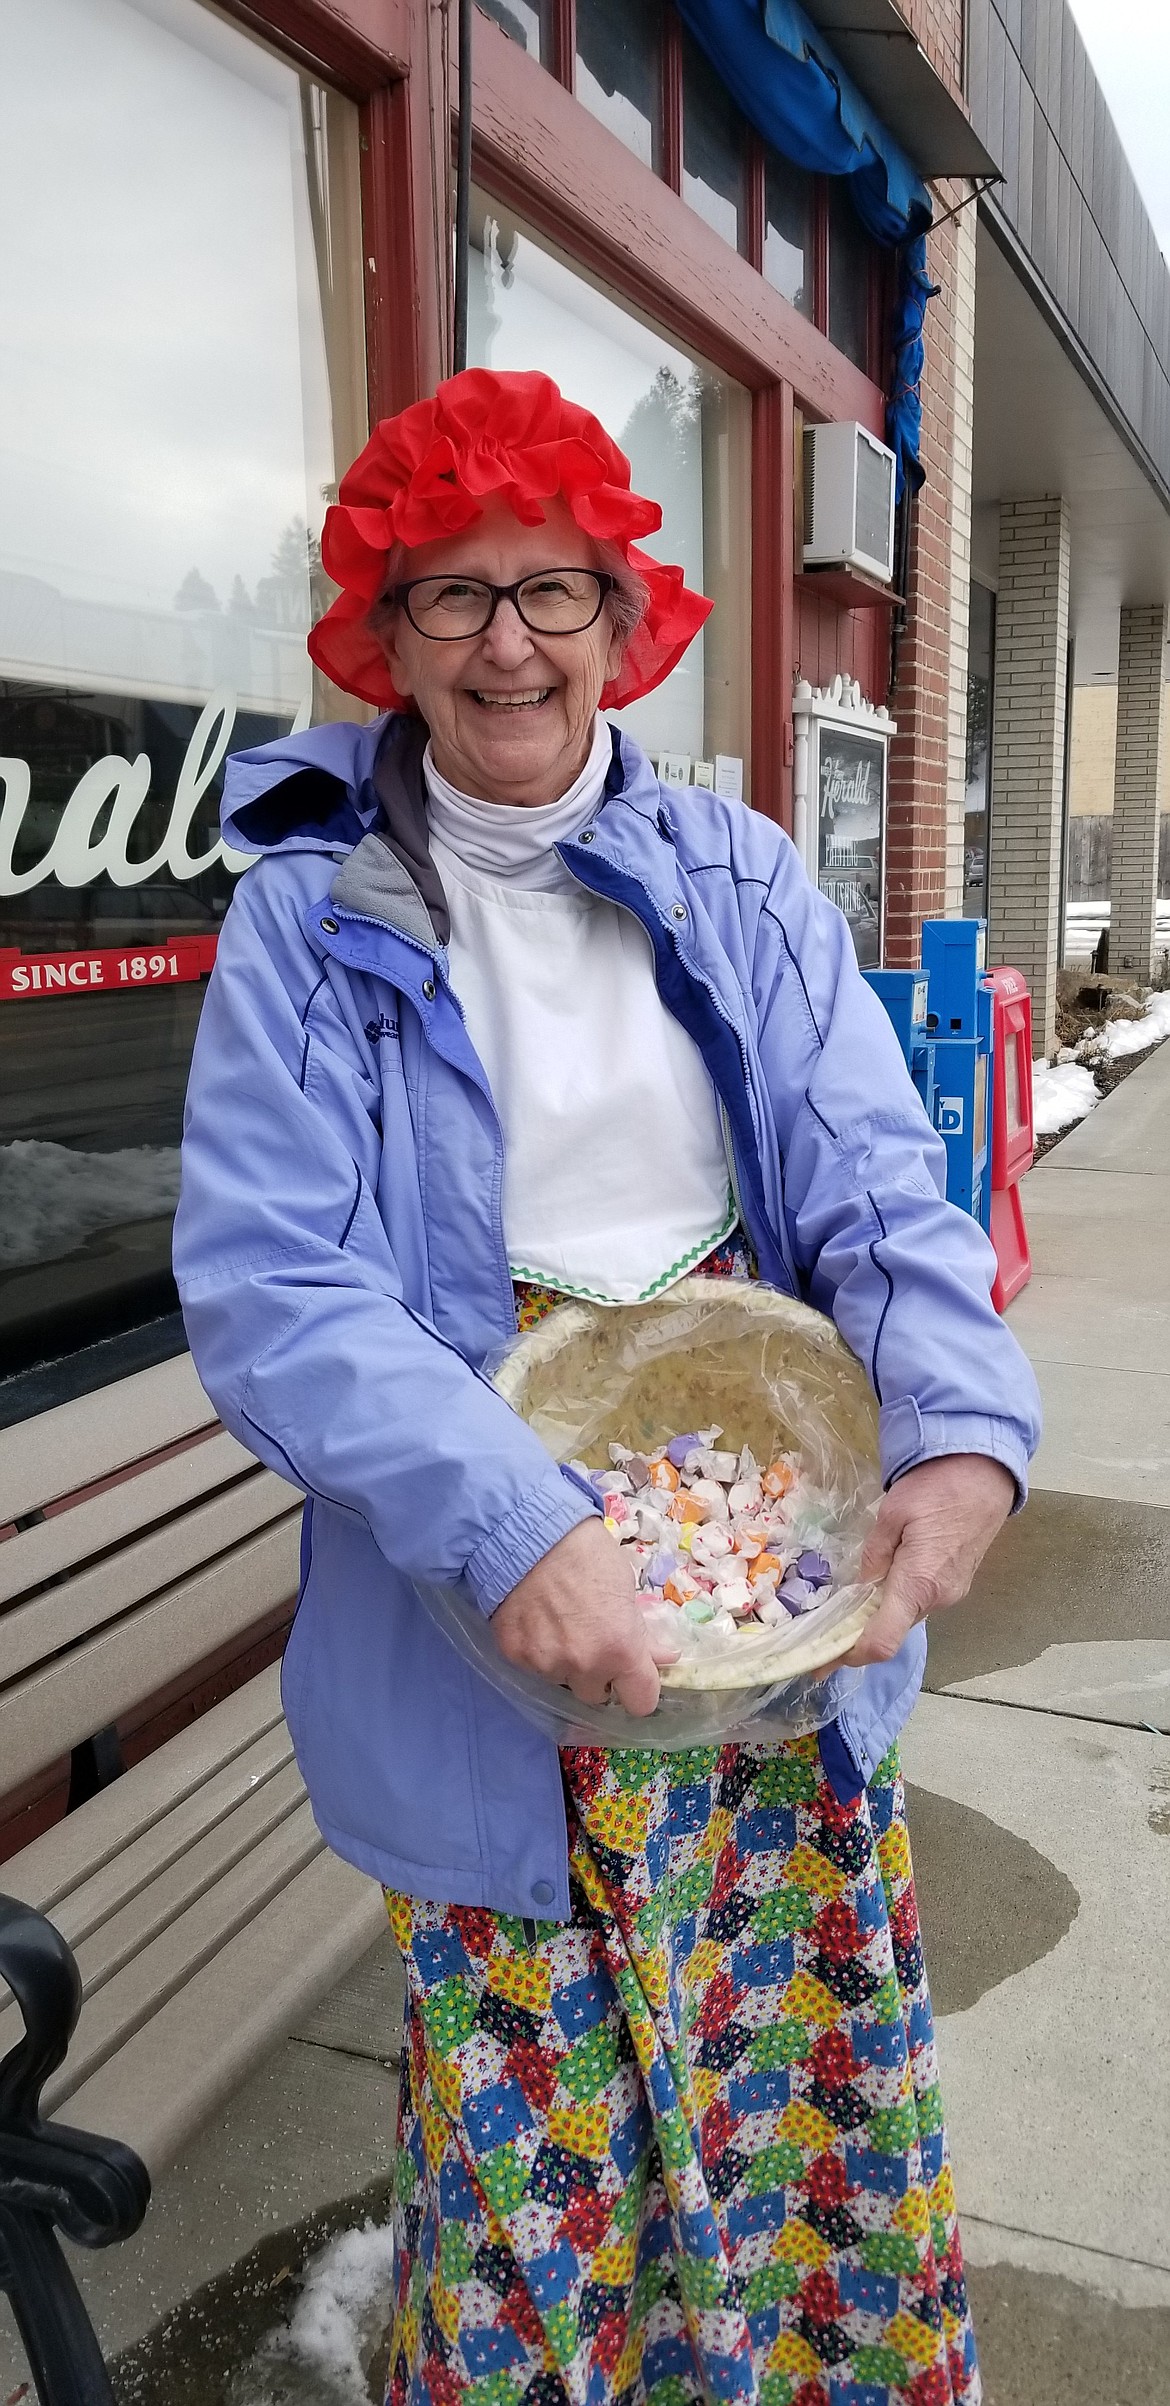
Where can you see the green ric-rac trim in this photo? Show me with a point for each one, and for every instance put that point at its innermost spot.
(678, 1269)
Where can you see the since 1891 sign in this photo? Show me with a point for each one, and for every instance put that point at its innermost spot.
(176, 961)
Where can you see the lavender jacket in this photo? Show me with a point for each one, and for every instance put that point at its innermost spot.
(341, 1259)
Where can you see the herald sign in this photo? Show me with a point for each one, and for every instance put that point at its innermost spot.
(84, 848)
(26, 976)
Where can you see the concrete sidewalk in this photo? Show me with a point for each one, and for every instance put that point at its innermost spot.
(1040, 1806)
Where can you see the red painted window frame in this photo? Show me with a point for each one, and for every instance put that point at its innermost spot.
(574, 182)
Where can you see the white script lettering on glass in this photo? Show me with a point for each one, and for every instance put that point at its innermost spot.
(75, 856)
(848, 785)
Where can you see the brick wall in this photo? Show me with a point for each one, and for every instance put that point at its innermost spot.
(926, 701)
(962, 461)
(937, 25)
(1135, 790)
(1031, 663)
(925, 831)
(924, 868)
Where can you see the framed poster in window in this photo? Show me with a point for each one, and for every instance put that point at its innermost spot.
(840, 775)
(851, 819)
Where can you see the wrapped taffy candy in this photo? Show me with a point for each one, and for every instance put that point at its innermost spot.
(732, 1545)
(731, 1440)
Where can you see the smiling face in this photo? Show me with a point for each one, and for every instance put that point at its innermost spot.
(510, 713)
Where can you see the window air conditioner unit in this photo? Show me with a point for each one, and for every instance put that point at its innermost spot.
(848, 500)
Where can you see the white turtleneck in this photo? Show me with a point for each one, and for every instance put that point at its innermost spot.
(510, 842)
(615, 1173)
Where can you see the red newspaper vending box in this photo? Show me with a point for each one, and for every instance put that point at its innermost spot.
(1013, 1137)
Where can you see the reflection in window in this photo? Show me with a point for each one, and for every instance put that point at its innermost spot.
(789, 194)
(525, 21)
(686, 431)
(849, 258)
(619, 71)
(183, 213)
(713, 148)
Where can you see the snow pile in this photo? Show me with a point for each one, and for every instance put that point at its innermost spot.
(52, 1198)
(1067, 1090)
(323, 2354)
(1061, 1095)
(1119, 1037)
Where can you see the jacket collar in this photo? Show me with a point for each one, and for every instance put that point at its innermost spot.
(357, 794)
(311, 792)
(390, 876)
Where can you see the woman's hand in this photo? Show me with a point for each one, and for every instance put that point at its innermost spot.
(574, 1620)
(929, 1538)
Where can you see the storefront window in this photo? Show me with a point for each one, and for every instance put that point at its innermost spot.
(980, 653)
(849, 261)
(180, 290)
(713, 148)
(789, 197)
(528, 22)
(619, 71)
(686, 429)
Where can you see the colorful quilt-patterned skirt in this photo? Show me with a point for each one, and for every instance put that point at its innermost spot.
(689, 2145)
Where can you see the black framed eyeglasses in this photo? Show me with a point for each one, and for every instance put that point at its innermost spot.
(556, 601)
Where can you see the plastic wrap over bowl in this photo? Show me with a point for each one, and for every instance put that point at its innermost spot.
(775, 1376)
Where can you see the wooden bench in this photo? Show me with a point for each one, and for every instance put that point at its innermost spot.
(138, 1542)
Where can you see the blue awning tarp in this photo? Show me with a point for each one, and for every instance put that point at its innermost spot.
(904, 404)
(784, 76)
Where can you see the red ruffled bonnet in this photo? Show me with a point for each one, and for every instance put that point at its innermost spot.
(426, 474)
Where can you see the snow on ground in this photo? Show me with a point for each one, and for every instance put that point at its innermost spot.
(1121, 1036)
(52, 1198)
(320, 2357)
(1061, 1095)
(1068, 1090)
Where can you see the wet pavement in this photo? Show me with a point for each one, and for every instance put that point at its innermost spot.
(1040, 1807)
(214, 2349)
(1071, 1613)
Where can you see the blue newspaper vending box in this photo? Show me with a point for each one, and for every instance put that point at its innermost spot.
(942, 1015)
(954, 956)
(905, 993)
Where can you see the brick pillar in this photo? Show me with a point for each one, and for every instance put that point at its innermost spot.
(962, 450)
(1027, 761)
(917, 825)
(1136, 774)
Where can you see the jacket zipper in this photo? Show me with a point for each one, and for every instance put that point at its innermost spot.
(732, 1170)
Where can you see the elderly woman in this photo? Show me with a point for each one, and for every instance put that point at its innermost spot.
(498, 1019)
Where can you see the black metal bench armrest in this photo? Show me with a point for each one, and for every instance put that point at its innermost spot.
(95, 2190)
(52, 2178)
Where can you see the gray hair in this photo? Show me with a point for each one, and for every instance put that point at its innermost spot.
(630, 599)
(627, 603)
